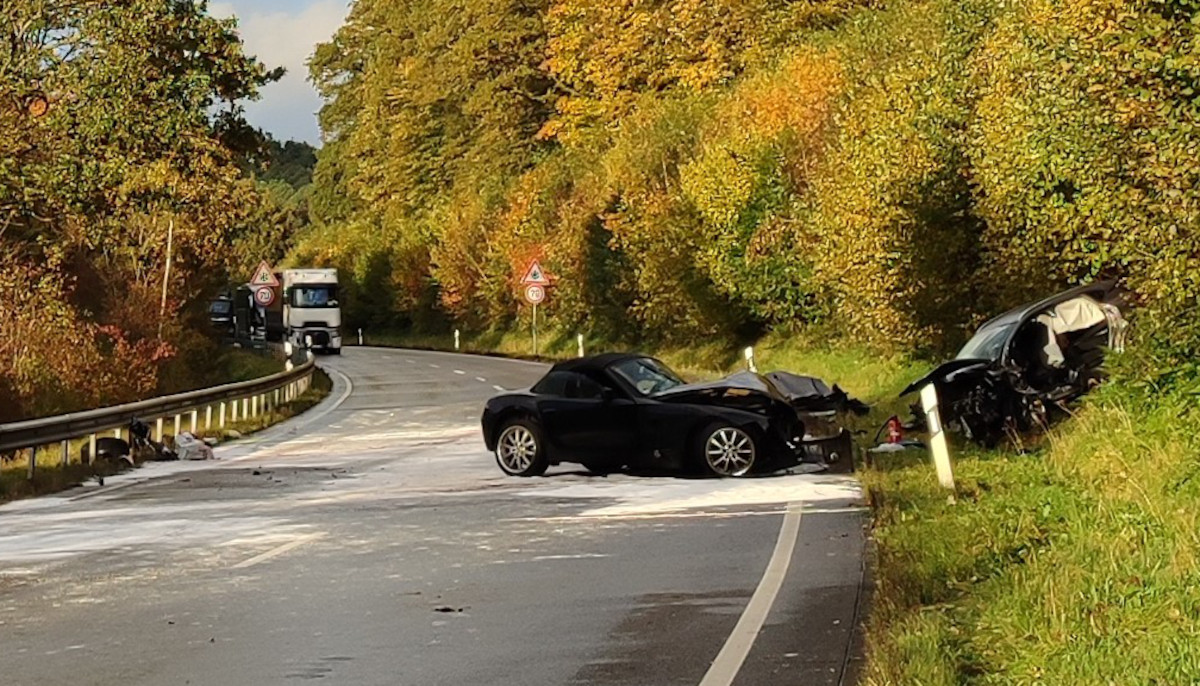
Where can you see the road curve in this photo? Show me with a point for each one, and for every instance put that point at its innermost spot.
(374, 541)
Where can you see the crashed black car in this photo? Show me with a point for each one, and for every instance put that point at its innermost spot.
(1023, 365)
(626, 411)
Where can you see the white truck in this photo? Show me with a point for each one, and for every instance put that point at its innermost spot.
(312, 317)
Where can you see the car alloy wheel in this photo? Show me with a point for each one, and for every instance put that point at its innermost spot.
(518, 451)
(729, 452)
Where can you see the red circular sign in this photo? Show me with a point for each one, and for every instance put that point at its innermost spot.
(535, 293)
(265, 297)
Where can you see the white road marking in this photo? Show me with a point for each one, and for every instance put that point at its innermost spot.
(459, 372)
(499, 388)
(480, 379)
(410, 361)
(725, 668)
(435, 366)
(277, 551)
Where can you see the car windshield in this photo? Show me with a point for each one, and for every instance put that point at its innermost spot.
(220, 307)
(988, 342)
(314, 296)
(647, 375)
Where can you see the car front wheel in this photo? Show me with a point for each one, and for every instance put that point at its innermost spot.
(728, 451)
(519, 451)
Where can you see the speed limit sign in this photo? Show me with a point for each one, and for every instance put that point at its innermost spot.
(535, 293)
(264, 297)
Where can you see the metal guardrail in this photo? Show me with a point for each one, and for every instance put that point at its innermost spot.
(244, 398)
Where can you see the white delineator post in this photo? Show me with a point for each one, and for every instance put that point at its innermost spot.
(750, 360)
(937, 436)
(360, 336)
(456, 339)
(579, 340)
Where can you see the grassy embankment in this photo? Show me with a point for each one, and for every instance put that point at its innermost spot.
(52, 476)
(1075, 563)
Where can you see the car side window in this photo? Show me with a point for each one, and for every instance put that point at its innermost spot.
(554, 383)
(569, 385)
(584, 388)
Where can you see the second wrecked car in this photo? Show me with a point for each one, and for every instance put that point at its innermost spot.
(1021, 365)
(616, 411)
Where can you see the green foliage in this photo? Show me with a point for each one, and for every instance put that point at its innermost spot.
(119, 135)
(1076, 565)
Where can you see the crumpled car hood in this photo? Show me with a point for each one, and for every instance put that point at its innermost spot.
(804, 393)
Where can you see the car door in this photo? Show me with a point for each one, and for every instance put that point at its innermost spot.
(586, 420)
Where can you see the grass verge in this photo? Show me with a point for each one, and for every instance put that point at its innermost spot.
(1075, 563)
(53, 476)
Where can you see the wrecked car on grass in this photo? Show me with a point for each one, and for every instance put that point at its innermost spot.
(627, 411)
(1023, 365)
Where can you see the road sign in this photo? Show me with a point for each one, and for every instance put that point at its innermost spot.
(535, 275)
(263, 276)
(264, 296)
(535, 293)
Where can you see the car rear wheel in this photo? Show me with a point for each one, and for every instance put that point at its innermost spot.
(728, 451)
(519, 451)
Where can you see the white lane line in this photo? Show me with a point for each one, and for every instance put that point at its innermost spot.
(410, 361)
(277, 551)
(499, 388)
(480, 379)
(459, 372)
(725, 668)
(435, 366)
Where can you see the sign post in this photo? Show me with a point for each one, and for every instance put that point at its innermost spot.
(937, 437)
(535, 292)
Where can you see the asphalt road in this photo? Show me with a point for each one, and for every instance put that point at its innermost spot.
(374, 541)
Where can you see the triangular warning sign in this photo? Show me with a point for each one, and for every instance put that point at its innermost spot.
(535, 275)
(263, 276)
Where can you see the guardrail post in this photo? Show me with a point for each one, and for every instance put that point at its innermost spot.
(194, 422)
(117, 433)
(245, 408)
(222, 417)
(207, 418)
(32, 462)
(233, 411)
(66, 453)
(158, 429)
(92, 448)
(177, 427)
(254, 406)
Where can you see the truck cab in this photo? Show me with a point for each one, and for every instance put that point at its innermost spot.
(312, 315)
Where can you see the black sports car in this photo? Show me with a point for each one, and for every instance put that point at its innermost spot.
(615, 411)
(1022, 364)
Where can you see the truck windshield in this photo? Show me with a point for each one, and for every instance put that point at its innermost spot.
(314, 296)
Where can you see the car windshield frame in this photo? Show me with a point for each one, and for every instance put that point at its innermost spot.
(637, 370)
(988, 343)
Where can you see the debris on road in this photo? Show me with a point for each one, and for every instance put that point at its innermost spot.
(188, 447)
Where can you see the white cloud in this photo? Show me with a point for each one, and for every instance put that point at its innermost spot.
(287, 108)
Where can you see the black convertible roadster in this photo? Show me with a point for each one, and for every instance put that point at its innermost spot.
(615, 411)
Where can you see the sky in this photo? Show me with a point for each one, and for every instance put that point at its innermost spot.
(283, 33)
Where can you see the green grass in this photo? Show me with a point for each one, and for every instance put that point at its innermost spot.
(52, 476)
(1076, 563)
